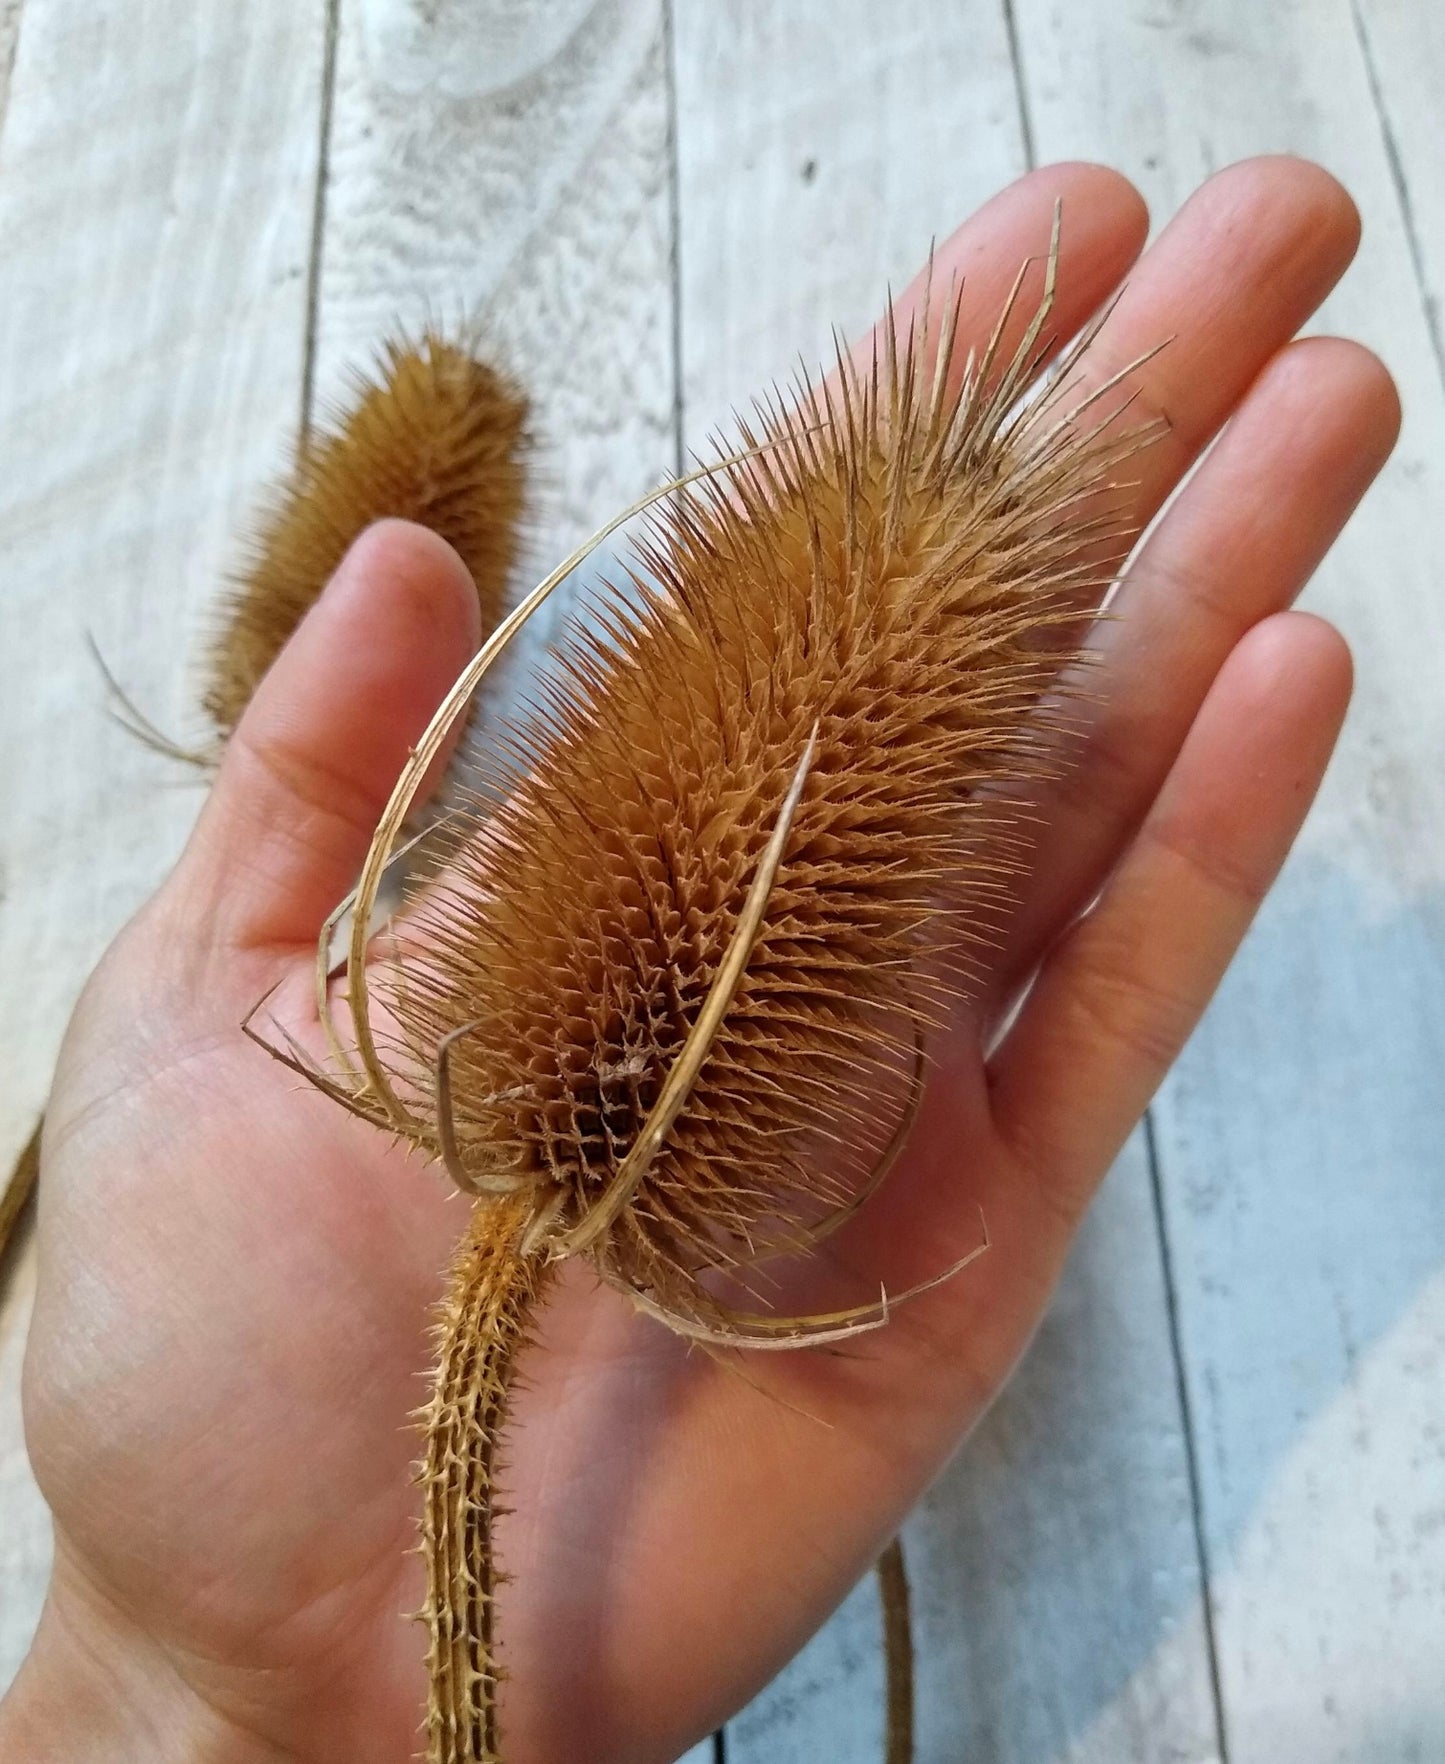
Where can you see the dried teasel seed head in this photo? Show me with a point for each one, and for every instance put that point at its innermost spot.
(437, 437)
(886, 587)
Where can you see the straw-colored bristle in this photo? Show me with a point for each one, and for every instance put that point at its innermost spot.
(901, 566)
(438, 437)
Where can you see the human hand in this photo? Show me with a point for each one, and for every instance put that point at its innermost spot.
(236, 1278)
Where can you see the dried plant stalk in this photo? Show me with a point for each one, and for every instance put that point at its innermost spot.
(438, 438)
(897, 1654)
(480, 1332)
(725, 880)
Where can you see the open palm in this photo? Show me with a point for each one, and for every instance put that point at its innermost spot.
(236, 1278)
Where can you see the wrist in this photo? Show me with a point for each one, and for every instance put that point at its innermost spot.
(92, 1690)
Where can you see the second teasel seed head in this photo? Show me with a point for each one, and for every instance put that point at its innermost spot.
(439, 437)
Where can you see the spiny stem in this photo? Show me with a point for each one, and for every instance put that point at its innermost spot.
(483, 1326)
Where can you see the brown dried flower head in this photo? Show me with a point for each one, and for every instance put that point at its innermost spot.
(888, 581)
(438, 437)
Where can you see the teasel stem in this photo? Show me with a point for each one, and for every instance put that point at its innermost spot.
(18, 1187)
(493, 1292)
(897, 1653)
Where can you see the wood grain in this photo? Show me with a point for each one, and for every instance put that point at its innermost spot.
(511, 160)
(1300, 1137)
(1402, 45)
(156, 181)
(801, 199)
(1055, 1566)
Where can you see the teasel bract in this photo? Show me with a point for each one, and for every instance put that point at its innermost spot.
(725, 880)
(438, 436)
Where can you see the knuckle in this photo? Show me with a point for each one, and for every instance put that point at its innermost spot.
(1215, 866)
(323, 792)
(1148, 1022)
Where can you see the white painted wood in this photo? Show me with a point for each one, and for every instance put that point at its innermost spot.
(1403, 45)
(821, 149)
(156, 176)
(1301, 1136)
(510, 158)
(1055, 1569)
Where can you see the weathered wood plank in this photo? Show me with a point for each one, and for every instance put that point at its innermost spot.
(515, 163)
(1300, 1137)
(1403, 46)
(156, 177)
(800, 198)
(1069, 1517)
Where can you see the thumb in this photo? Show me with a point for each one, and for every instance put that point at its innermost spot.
(314, 759)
